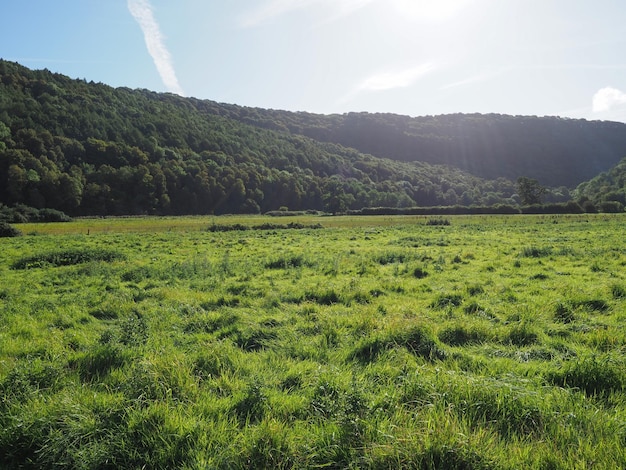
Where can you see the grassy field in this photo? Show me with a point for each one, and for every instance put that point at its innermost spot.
(319, 342)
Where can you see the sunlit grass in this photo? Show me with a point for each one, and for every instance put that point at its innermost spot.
(376, 342)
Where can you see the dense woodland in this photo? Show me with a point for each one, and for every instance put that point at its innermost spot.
(90, 149)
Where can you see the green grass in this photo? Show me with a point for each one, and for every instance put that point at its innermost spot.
(374, 342)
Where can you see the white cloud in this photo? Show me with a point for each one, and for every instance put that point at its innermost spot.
(608, 98)
(389, 80)
(395, 79)
(142, 12)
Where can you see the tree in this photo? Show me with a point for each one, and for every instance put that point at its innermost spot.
(529, 190)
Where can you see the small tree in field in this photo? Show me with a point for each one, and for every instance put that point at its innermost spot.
(529, 190)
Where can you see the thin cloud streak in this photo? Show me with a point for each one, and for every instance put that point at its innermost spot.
(400, 78)
(395, 79)
(142, 12)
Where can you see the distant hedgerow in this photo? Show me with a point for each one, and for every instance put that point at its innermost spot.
(67, 258)
(265, 226)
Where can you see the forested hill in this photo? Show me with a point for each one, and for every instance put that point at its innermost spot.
(87, 148)
(553, 150)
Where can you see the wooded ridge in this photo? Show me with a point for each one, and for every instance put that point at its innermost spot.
(90, 149)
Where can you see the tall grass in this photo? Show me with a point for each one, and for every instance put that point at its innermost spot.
(373, 343)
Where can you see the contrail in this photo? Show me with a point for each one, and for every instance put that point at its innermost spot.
(142, 12)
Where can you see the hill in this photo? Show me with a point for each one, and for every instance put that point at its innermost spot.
(88, 149)
(556, 151)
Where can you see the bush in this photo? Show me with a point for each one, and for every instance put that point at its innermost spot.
(7, 231)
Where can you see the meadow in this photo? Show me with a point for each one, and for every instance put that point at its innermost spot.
(469, 342)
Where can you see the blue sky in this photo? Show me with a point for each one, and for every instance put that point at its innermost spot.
(414, 57)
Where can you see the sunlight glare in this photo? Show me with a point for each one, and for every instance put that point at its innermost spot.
(429, 10)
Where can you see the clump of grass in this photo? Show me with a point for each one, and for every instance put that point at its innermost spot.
(420, 273)
(327, 297)
(416, 340)
(475, 289)
(459, 335)
(288, 261)
(96, 363)
(536, 251)
(563, 313)
(592, 305)
(251, 406)
(67, 258)
(391, 257)
(134, 330)
(24, 380)
(592, 375)
(212, 322)
(140, 273)
(618, 291)
(252, 338)
(437, 222)
(447, 300)
(521, 335)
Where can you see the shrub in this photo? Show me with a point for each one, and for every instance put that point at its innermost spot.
(7, 231)
(52, 215)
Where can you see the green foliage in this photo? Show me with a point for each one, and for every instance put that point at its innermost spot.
(529, 190)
